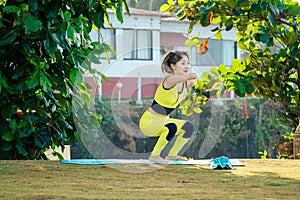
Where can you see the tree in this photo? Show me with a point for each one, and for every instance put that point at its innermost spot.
(146, 4)
(268, 31)
(45, 49)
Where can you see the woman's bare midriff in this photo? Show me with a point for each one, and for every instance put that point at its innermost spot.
(153, 112)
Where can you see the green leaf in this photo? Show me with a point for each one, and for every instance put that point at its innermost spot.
(274, 9)
(37, 142)
(33, 5)
(180, 2)
(265, 38)
(232, 3)
(294, 52)
(55, 153)
(218, 35)
(164, 7)
(76, 76)
(204, 21)
(250, 89)
(33, 80)
(229, 24)
(108, 48)
(119, 12)
(215, 29)
(212, 84)
(291, 37)
(216, 19)
(50, 44)
(242, 28)
(31, 23)
(77, 136)
(25, 133)
(24, 7)
(8, 37)
(293, 11)
(223, 69)
(199, 85)
(204, 10)
(94, 58)
(13, 124)
(85, 97)
(12, 9)
(63, 90)
(241, 89)
(8, 136)
(106, 20)
(67, 16)
(243, 44)
(103, 77)
(51, 12)
(71, 32)
(214, 71)
(61, 13)
(271, 19)
(45, 82)
(21, 150)
(19, 72)
(205, 76)
(21, 86)
(170, 2)
(191, 26)
(197, 110)
(7, 111)
(97, 116)
(11, 89)
(192, 41)
(6, 146)
(235, 66)
(98, 17)
(229, 27)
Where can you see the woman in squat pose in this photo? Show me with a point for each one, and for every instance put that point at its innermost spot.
(155, 122)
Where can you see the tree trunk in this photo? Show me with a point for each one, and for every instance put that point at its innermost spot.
(296, 143)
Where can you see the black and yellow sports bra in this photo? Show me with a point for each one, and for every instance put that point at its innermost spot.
(166, 100)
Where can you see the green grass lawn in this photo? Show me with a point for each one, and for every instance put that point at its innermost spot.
(258, 179)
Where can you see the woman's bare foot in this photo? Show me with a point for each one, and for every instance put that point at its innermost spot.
(157, 159)
(176, 158)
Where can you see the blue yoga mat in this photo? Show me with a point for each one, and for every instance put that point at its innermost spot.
(234, 162)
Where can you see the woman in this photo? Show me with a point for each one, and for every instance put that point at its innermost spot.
(155, 122)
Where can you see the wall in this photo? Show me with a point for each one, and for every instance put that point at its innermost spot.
(129, 88)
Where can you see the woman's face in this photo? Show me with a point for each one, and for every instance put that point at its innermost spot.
(182, 67)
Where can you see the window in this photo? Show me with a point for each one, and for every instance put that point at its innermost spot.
(137, 45)
(105, 36)
(219, 52)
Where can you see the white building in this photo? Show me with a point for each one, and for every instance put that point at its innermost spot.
(140, 44)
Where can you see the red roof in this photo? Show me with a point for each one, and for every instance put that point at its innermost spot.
(165, 17)
(136, 11)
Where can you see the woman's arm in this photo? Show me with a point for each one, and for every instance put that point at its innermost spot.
(190, 83)
(172, 80)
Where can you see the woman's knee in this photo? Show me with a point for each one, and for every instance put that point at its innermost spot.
(172, 129)
(188, 128)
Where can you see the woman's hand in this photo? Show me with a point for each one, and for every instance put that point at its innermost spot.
(191, 79)
(190, 83)
(191, 76)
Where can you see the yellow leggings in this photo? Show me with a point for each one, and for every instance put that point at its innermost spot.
(165, 128)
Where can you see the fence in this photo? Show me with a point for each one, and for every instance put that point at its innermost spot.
(223, 129)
